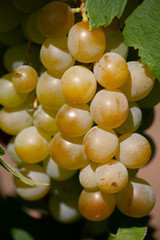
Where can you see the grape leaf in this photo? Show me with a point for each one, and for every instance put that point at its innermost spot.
(19, 234)
(102, 12)
(132, 233)
(142, 32)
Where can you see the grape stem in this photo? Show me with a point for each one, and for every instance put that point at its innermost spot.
(27, 52)
(82, 11)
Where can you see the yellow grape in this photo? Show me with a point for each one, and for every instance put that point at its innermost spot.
(32, 145)
(49, 92)
(74, 120)
(111, 177)
(86, 45)
(78, 85)
(55, 19)
(36, 173)
(15, 119)
(109, 108)
(100, 144)
(137, 199)
(9, 97)
(44, 119)
(97, 205)
(55, 55)
(68, 152)
(134, 151)
(139, 83)
(111, 70)
(24, 78)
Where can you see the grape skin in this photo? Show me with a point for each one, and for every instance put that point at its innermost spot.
(74, 120)
(137, 199)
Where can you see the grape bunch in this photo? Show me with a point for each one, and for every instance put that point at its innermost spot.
(71, 102)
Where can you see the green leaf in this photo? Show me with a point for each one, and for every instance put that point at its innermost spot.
(20, 234)
(112, 237)
(2, 151)
(102, 12)
(133, 233)
(142, 31)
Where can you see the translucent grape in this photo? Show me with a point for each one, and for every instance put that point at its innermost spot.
(10, 17)
(15, 119)
(109, 108)
(78, 85)
(49, 92)
(111, 177)
(137, 199)
(87, 176)
(32, 145)
(24, 78)
(55, 19)
(12, 37)
(68, 152)
(139, 83)
(115, 43)
(133, 120)
(100, 144)
(15, 57)
(96, 206)
(135, 150)
(36, 173)
(86, 46)
(74, 120)
(55, 55)
(9, 97)
(56, 172)
(32, 29)
(27, 6)
(44, 119)
(111, 70)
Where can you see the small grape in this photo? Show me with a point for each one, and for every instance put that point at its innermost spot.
(36, 173)
(74, 120)
(111, 70)
(96, 206)
(24, 78)
(137, 199)
(86, 46)
(12, 37)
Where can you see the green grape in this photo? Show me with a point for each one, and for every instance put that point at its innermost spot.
(134, 151)
(139, 83)
(64, 210)
(44, 119)
(153, 98)
(111, 70)
(9, 97)
(14, 119)
(49, 92)
(115, 43)
(87, 176)
(68, 152)
(27, 6)
(55, 19)
(24, 79)
(78, 85)
(137, 199)
(86, 46)
(32, 29)
(55, 55)
(15, 57)
(133, 121)
(32, 145)
(12, 153)
(55, 171)
(12, 37)
(10, 17)
(100, 144)
(109, 108)
(74, 120)
(96, 206)
(111, 177)
(36, 173)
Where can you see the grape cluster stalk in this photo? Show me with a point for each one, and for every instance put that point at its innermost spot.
(70, 101)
